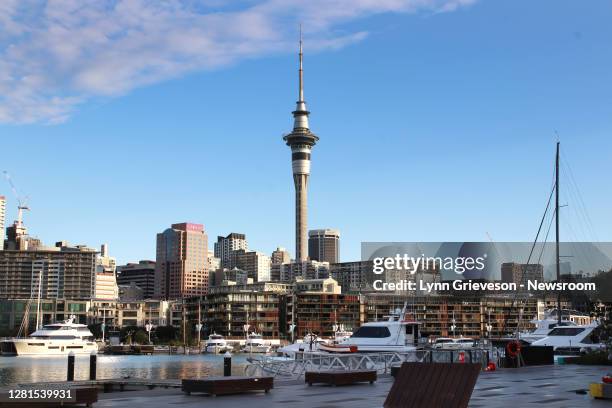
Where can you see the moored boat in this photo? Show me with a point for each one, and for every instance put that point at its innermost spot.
(53, 339)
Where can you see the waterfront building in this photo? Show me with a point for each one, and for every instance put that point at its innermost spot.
(518, 273)
(142, 274)
(262, 305)
(469, 314)
(2, 220)
(323, 311)
(60, 272)
(181, 268)
(301, 141)
(328, 285)
(15, 312)
(224, 247)
(139, 313)
(324, 245)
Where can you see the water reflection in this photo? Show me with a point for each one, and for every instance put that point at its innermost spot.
(15, 370)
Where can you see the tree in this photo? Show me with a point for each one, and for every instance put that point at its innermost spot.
(165, 334)
(140, 337)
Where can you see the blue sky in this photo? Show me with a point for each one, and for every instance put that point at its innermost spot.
(436, 119)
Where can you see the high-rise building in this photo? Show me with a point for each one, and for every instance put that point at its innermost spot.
(141, 274)
(225, 245)
(304, 270)
(106, 280)
(353, 276)
(181, 268)
(280, 256)
(60, 272)
(301, 140)
(324, 245)
(2, 220)
(214, 263)
(256, 264)
(521, 273)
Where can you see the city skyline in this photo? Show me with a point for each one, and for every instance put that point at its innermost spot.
(204, 147)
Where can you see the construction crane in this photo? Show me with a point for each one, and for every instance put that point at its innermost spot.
(22, 201)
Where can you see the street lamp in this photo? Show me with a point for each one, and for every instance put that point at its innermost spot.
(198, 328)
(291, 330)
(148, 328)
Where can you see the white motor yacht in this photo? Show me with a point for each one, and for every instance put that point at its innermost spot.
(255, 344)
(544, 327)
(449, 343)
(53, 339)
(216, 344)
(572, 339)
(394, 334)
(310, 344)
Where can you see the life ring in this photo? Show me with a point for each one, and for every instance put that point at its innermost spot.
(513, 348)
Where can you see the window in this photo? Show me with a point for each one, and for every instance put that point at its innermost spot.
(566, 331)
(372, 331)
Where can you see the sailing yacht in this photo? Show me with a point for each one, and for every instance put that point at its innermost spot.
(53, 339)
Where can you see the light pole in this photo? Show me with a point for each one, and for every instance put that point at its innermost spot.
(292, 331)
(103, 325)
(198, 328)
(148, 328)
(489, 327)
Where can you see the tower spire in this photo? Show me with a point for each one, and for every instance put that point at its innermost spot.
(300, 114)
(301, 93)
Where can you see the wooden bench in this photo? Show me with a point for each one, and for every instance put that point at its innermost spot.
(433, 385)
(83, 395)
(340, 377)
(227, 385)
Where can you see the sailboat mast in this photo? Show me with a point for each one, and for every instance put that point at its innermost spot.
(557, 232)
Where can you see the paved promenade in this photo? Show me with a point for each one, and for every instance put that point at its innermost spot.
(550, 386)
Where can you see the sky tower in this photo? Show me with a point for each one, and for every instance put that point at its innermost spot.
(301, 140)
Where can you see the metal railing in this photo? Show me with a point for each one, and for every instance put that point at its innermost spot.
(295, 368)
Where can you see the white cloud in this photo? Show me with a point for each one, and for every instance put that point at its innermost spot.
(56, 54)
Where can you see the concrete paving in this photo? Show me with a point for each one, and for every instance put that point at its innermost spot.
(549, 386)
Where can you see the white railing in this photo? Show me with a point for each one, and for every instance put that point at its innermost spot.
(381, 362)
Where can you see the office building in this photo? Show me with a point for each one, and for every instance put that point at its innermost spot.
(324, 245)
(181, 267)
(141, 274)
(226, 245)
(301, 140)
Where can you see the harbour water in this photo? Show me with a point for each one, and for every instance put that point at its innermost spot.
(28, 369)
